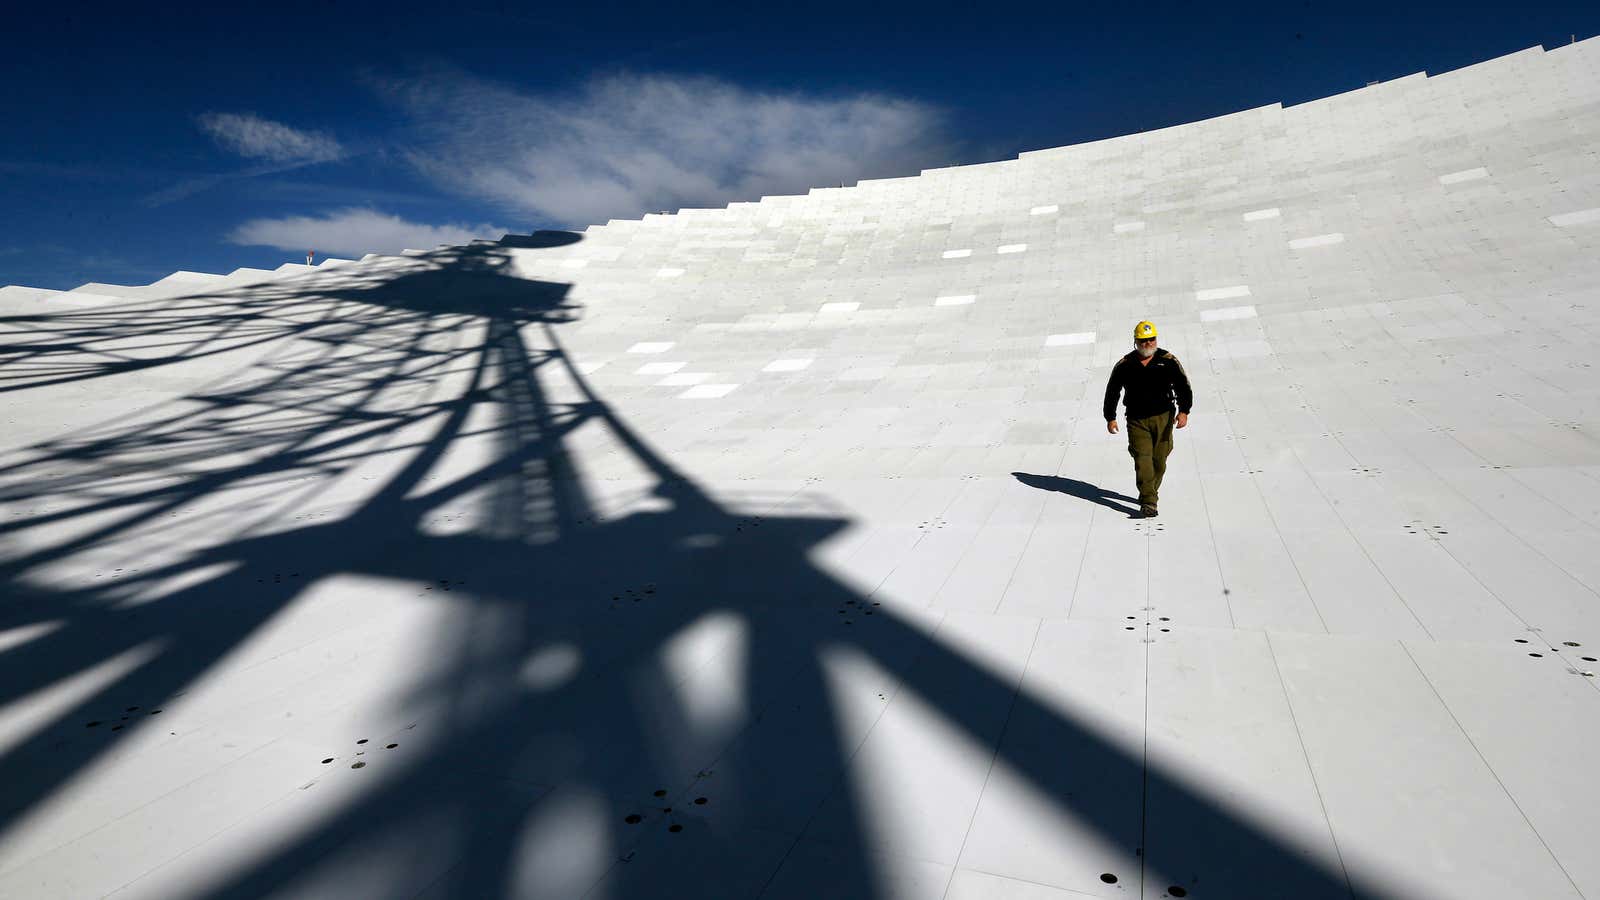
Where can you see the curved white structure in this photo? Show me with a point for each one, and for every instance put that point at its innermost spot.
(781, 550)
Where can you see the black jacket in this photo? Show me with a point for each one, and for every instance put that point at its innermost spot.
(1150, 388)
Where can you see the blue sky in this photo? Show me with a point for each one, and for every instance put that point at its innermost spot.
(207, 138)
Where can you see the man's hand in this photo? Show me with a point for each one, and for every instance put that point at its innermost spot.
(1111, 426)
(1183, 419)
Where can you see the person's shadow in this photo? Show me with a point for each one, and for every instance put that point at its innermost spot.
(1080, 489)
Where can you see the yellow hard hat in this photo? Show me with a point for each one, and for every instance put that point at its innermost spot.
(1144, 330)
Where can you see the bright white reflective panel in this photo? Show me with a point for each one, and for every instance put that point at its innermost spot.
(551, 666)
(1232, 312)
(1044, 210)
(956, 254)
(668, 273)
(955, 300)
(787, 365)
(661, 368)
(1256, 215)
(842, 306)
(1222, 293)
(1464, 175)
(683, 379)
(1321, 240)
(1125, 227)
(651, 347)
(708, 391)
(1067, 340)
(1581, 217)
(1011, 248)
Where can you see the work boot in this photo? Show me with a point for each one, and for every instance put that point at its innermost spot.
(1147, 512)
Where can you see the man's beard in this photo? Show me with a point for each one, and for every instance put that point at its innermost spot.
(1147, 352)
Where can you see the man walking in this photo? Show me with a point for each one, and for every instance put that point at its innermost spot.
(1150, 379)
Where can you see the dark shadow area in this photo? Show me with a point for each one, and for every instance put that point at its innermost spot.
(540, 240)
(400, 423)
(1083, 490)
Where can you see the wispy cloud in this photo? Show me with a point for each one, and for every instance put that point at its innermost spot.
(629, 144)
(276, 147)
(253, 137)
(353, 232)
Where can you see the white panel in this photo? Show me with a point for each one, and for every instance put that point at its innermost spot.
(955, 300)
(1321, 240)
(708, 391)
(840, 306)
(1542, 752)
(956, 254)
(660, 368)
(1125, 227)
(683, 379)
(822, 868)
(1231, 800)
(787, 365)
(1074, 743)
(1581, 217)
(651, 347)
(668, 273)
(1222, 293)
(1464, 175)
(1011, 248)
(915, 781)
(162, 830)
(1231, 312)
(1257, 215)
(1412, 803)
(1044, 210)
(969, 884)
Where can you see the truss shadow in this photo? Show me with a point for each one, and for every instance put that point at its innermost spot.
(414, 426)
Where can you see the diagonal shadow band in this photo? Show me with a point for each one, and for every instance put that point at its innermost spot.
(507, 790)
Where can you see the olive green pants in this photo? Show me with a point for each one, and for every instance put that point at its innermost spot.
(1149, 442)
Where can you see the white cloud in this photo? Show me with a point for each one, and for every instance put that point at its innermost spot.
(629, 144)
(279, 147)
(353, 232)
(257, 138)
